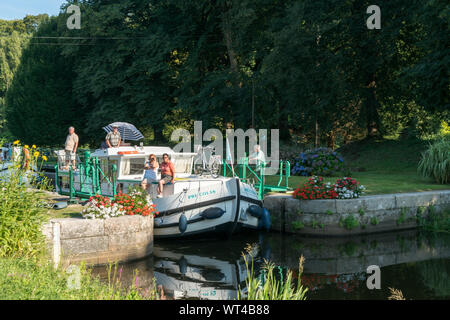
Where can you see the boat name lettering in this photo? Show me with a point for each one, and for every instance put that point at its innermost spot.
(201, 194)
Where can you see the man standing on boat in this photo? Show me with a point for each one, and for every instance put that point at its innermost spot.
(113, 138)
(167, 173)
(258, 156)
(71, 147)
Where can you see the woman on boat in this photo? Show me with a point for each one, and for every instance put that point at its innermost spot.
(151, 170)
(167, 174)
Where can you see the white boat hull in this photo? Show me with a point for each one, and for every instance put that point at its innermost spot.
(228, 194)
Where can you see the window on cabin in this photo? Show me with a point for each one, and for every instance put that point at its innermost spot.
(132, 166)
(182, 164)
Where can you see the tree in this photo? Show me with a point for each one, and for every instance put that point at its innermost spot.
(39, 104)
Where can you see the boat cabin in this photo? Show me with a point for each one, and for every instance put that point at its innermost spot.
(123, 166)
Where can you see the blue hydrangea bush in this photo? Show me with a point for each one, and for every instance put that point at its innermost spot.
(319, 162)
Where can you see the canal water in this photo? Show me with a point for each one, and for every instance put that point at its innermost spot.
(335, 268)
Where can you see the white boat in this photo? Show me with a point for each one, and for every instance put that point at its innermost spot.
(192, 205)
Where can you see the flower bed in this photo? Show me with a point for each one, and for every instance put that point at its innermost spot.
(315, 188)
(348, 188)
(137, 202)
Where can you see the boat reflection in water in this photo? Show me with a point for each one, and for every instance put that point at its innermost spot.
(214, 271)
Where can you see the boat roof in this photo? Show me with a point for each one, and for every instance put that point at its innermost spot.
(146, 150)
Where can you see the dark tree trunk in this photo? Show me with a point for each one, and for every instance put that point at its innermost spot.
(283, 125)
(331, 140)
(371, 110)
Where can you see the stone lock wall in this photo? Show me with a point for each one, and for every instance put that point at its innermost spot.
(367, 214)
(96, 242)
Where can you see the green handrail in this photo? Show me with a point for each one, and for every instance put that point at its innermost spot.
(114, 170)
(71, 190)
(90, 179)
(58, 187)
(281, 173)
(288, 173)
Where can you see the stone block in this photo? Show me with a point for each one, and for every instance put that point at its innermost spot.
(73, 228)
(129, 240)
(47, 231)
(316, 206)
(417, 199)
(445, 197)
(146, 223)
(381, 202)
(123, 224)
(350, 205)
(275, 203)
(84, 245)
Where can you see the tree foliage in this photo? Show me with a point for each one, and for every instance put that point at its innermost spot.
(310, 68)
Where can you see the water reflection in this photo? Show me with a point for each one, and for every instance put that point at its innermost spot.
(335, 268)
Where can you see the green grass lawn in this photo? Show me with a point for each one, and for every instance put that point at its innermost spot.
(71, 211)
(382, 166)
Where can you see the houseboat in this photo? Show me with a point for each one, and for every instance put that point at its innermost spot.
(192, 205)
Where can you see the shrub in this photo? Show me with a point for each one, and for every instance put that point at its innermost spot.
(435, 161)
(319, 161)
(22, 213)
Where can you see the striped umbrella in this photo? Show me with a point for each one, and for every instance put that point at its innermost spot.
(127, 131)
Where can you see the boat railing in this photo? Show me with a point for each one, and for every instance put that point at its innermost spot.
(244, 168)
(90, 179)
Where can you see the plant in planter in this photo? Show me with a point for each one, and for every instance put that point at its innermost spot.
(100, 207)
(136, 202)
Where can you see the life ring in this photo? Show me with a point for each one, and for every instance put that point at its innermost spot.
(127, 152)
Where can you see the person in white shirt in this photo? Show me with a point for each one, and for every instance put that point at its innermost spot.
(257, 157)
